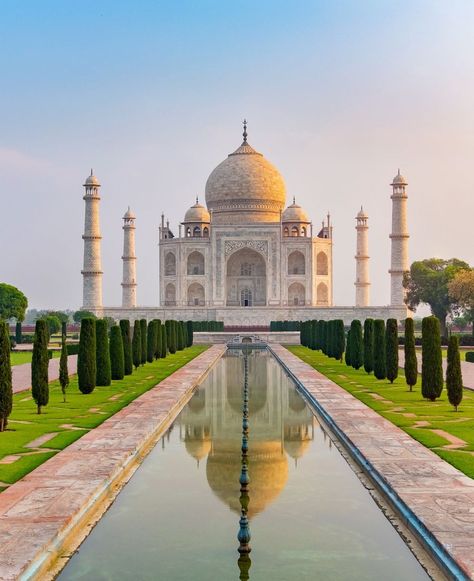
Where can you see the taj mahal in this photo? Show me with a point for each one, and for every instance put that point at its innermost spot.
(245, 257)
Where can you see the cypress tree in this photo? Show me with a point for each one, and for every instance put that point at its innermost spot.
(143, 337)
(6, 392)
(189, 325)
(137, 344)
(157, 353)
(322, 336)
(328, 338)
(179, 336)
(347, 354)
(310, 335)
(63, 370)
(103, 373)
(127, 346)
(339, 339)
(39, 366)
(379, 349)
(164, 342)
(369, 345)
(391, 349)
(151, 341)
(64, 328)
(357, 347)
(86, 358)
(302, 330)
(117, 359)
(315, 330)
(431, 359)
(411, 363)
(18, 336)
(171, 336)
(453, 373)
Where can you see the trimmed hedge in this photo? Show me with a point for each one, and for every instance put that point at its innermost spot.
(285, 325)
(470, 356)
(86, 359)
(39, 366)
(127, 347)
(6, 391)
(103, 372)
(216, 326)
(431, 367)
(117, 360)
(380, 370)
(391, 349)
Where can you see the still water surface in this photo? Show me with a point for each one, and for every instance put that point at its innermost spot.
(310, 517)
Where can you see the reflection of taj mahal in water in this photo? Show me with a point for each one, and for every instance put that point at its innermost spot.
(243, 257)
(285, 428)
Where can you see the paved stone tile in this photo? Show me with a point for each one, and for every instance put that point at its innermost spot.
(35, 512)
(441, 496)
(21, 374)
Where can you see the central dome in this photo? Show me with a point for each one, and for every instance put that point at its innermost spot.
(245, 188)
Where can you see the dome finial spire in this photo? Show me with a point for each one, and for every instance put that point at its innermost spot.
(197, 199)
(245, 131)
(294, 199)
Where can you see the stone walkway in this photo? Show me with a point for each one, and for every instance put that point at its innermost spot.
(467, 369)
(440, 496)
(46, 513)
(21, 374)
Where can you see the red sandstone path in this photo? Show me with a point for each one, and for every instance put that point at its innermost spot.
(21, 374)
(467, 369)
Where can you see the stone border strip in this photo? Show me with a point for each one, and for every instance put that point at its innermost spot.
(46, 515)
(434, 498)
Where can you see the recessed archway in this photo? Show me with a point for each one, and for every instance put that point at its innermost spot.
(296, 294)
(322, 294)
(170, 264)
(296, 263)
(195, 263)
(170, 294)
(196, 295)
(246, 279)
(322, 263)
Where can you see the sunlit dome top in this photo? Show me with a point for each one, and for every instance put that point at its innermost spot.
(295, 213)
(197, 213)
(91, 180)
(245, 187)
(129, 215)
(399, 180)
(361, 213)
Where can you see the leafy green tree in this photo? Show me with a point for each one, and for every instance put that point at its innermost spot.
(39, 366)
(103, 371)
(461, 290)
(391, 349)
(347, 354)
(63, 328)
(428, 282)
(137, 344)
(189, 325)
(63, 368)
(13, 303)
(339, 339)
(79, 315)
(143, 337)
(151, 341)
(164, 342)
(53, 323)
(117, 360)
(380, 370)
(357, 347)
(431, 359)
(453, 373)
(127, 346)
(411, 362)
(86, 358)
(6, 393)
(369, 345)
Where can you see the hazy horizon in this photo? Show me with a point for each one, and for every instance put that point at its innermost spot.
(152, 95)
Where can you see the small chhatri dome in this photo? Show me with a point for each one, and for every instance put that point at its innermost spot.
(197, 213)
(129, 215)
(295, 213)
(245, 187)
(92, 180)
(361, 213)
(399, 180)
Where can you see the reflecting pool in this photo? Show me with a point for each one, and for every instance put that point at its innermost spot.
(310, 517)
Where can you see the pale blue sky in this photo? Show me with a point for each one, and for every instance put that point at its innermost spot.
(338, 95)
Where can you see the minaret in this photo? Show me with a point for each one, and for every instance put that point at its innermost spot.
(92, 271)
(129, 279)
(362, 282)
(399, 237)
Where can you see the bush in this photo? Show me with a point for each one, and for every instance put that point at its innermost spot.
(357, 346)
(117, 360)
(431, 357)
(63, 370)
(347, 354)
(380, 371)
(466, 340)
(339, 339)
(369, 345)
(322, 335)
(179, 336)
(103, 372)
(143, 337)
(39, 366)
(151, 341)
(470, 356)
(189, 329)
(157, 333)
(171, 335)
(391, 349)
(137, 344)
(6, 392)
(72, 348)
(164, 342)
(453, 373)
(86, 359)
(127, 347)
(411, 363)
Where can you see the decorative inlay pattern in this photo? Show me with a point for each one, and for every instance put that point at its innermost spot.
(261, 246)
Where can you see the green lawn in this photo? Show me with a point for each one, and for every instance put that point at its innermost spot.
(19, 357)
(406, 409)
(444, 350)
(73, 419)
